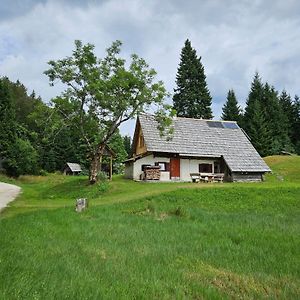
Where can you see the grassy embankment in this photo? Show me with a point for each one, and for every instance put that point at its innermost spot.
(148, 240)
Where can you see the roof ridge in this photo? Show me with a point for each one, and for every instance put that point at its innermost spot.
(188, 118)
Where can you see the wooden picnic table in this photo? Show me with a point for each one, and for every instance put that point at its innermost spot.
(207, 177)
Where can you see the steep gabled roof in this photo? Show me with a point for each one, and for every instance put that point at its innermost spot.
(74, 167)
(195, 137)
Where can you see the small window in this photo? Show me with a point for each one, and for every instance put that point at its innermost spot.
(205, 168)
(163, 166)
(144, 167)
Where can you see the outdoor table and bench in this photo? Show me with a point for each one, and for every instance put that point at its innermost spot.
(207, 177)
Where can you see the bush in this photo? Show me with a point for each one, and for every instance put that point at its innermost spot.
(102, 176)
(22, 159)
(43, 173)
(103, 186)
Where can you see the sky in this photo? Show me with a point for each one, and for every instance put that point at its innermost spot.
(234, 39)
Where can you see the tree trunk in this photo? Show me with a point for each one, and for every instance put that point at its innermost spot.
(95, 165)
(94, 169)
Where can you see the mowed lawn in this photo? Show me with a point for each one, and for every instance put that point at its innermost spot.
(153, 240)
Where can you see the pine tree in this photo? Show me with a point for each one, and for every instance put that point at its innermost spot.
(258, 130)
(231, 109)
(295, 134)
(256, 94)
(127, 145)
(287, 108)
(192, 97)
(276, 119)
(7, 119)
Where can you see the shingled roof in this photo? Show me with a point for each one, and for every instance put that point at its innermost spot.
(74, 167)
(195, 137)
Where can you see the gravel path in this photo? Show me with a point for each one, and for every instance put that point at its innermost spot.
(8, 192)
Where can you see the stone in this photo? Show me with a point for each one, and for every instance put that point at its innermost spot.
(81, 204)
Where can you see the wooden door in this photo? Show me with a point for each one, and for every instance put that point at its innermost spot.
(174, 167)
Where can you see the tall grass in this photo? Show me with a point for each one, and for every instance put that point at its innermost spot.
(145, 241)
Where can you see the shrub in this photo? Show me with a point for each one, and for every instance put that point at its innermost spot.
(103, 186)
(102, 176)
(22, 159)
(43, 173)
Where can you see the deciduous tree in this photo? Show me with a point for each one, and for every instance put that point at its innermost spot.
(101, 94)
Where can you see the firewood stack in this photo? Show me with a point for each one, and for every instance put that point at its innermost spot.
(152, 173)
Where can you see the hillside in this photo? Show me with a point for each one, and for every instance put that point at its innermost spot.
(140, 240)
(286, 166)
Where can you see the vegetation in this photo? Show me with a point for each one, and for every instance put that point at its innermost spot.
(192, 98)
(149, 240)
(272, 121)
(102, 94)
(231, 109)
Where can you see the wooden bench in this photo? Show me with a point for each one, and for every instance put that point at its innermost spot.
(219, 177)
(207, 177)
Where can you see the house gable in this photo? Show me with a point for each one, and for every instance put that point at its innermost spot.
(139, 145)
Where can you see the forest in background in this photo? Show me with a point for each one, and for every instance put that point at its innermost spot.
(270, 119)
(34, 137)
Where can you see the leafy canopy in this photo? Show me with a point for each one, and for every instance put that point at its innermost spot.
(101, 94)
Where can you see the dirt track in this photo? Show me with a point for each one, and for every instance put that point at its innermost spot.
(8, 192)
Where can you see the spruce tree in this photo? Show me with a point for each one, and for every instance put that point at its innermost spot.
(192, 98)
(256, 94)
(127, 145)
(258, 130)
(296, 124)
(7, 119)
(231, 109)
(276, 119)
(287, 108)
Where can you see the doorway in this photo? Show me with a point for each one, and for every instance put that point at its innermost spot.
(175, 168)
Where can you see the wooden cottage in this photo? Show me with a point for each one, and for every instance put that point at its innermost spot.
(198, 150)
(72, 169)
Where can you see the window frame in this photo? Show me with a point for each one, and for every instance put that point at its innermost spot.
(208, 164)
(165, 165)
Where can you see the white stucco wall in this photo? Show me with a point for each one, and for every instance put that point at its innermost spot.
(150, 160)
(128, 170)
(187, 166)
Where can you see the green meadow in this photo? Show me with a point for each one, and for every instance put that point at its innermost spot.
(153, 240)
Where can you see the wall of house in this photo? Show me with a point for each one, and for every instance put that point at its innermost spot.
(188, 166)
(246, 177)
(150, 160)
(128, 170)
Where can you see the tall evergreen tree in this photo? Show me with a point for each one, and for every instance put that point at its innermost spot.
(295, 136)
(7, 118)
(287, 108)
(256, 94)
(192, 97)
(258, 130)
(276, 119)
(127, 144)
(231, 109)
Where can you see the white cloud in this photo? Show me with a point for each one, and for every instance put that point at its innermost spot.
(234, 38)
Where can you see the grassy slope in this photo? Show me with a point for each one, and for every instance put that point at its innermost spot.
(154, 240)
